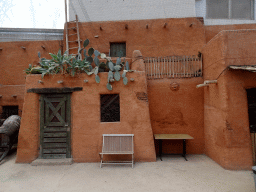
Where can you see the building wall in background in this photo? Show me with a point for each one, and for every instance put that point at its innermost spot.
(14, 60)
(201, 11)
(116, 10)
(29, 34)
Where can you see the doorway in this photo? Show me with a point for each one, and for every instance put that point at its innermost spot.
(251, 97)
(55, 110)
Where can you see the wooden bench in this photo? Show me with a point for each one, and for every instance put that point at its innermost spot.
(117, 144)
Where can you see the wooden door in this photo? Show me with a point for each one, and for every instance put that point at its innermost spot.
(55, 126)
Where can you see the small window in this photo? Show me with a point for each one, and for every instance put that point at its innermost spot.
(217, 9)
(117, 49)
(9, 110)
(230, 9)
(110, 108)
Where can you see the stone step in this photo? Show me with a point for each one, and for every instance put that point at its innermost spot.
(67, 161)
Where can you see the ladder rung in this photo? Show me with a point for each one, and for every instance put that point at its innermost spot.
(74, 28)
(73, 34)
(74, 21)
(73, 47)
(74, 41)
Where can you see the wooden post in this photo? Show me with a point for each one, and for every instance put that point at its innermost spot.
(78, 37)
(66, 26)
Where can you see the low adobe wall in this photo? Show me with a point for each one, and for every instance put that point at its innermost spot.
(86, 128)
(227, 134)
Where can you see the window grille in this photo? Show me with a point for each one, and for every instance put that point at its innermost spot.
(230, 9)
(110, 108)
(117, 49)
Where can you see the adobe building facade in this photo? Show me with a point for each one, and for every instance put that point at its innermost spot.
(216, 116)
(86, 126)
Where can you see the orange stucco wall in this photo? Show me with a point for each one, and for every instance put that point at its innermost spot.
(86, 128)
(178, 111)
(13, 61)
(227, 134)
(12, 95)
(178, 38)
(212, 30)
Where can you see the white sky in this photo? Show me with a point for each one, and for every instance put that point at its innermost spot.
(32, 14)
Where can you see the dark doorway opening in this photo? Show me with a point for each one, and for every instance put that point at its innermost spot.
(251, 97)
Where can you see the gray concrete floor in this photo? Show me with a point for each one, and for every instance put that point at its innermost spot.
(173, 174)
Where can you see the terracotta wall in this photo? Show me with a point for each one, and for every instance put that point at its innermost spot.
(86, 128)
(212, 30)
(227, 134)
(179, 37)
(14, 60)
(178, 111)
(12, 95)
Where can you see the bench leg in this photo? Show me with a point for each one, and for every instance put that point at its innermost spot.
(101, 160)
(184, 149)
(132, 160)
(160, 149)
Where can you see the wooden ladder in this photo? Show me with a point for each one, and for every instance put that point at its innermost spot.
(73, 41)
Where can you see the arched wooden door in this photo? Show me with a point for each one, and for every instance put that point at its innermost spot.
(55, 126)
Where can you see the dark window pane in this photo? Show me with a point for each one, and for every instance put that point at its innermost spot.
(241, 9)
(117, 49)
(110, 108)
(217, 9)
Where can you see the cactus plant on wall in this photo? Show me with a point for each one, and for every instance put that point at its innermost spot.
(73, 64)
